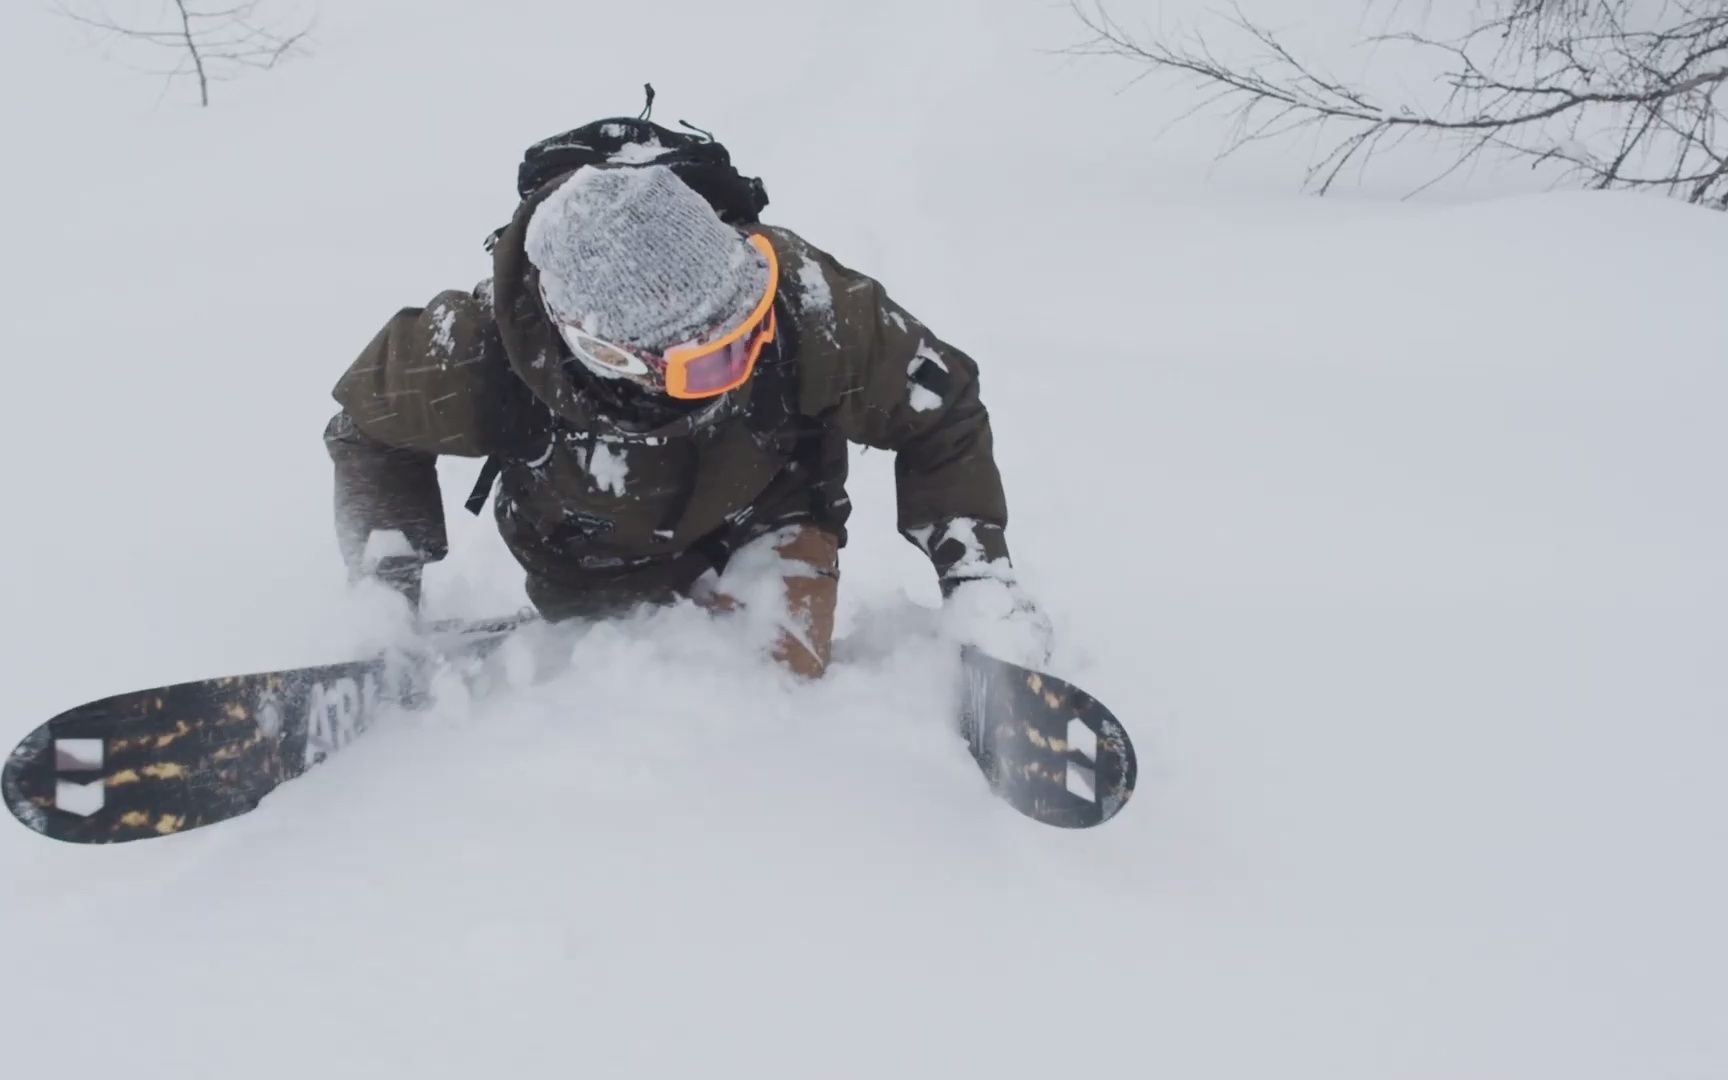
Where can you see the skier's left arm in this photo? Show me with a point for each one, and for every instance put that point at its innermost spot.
(891, 383)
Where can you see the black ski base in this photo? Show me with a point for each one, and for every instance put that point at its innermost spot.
(155, 762)
(160, 761)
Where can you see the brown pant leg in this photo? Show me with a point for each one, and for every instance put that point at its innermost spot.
(812, 592)
(812, 582)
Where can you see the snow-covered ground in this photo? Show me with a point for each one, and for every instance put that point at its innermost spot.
(1393, 530)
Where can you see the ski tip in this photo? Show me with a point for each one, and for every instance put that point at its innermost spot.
(28, 801)
(1052, 750)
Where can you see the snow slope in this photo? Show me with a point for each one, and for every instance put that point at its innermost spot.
(1393, 530)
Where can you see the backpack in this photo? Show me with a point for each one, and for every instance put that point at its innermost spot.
(695, 157)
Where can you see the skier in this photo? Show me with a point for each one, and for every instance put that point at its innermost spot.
(662, 395)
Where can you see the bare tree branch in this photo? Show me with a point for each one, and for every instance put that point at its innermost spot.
(212, 43)
(197, 57)
(1617, 93)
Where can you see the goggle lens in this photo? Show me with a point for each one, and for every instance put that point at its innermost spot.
(727, 367)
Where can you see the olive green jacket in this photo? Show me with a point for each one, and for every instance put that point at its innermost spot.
(592, 504)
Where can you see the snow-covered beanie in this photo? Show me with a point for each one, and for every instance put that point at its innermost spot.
(632, 255)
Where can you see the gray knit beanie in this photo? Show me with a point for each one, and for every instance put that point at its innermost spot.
(633, 255)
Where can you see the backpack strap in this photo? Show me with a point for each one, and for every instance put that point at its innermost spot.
(483, 486)
(518, 446)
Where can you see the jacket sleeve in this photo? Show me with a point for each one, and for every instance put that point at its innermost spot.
(433, 381)
(891, 383)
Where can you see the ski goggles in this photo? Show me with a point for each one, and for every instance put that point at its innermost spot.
(693, 370)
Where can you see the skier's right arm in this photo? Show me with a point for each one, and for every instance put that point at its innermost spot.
(435, 380)
(383, 491)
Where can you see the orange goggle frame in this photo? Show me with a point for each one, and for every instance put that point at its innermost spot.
(695, 370)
